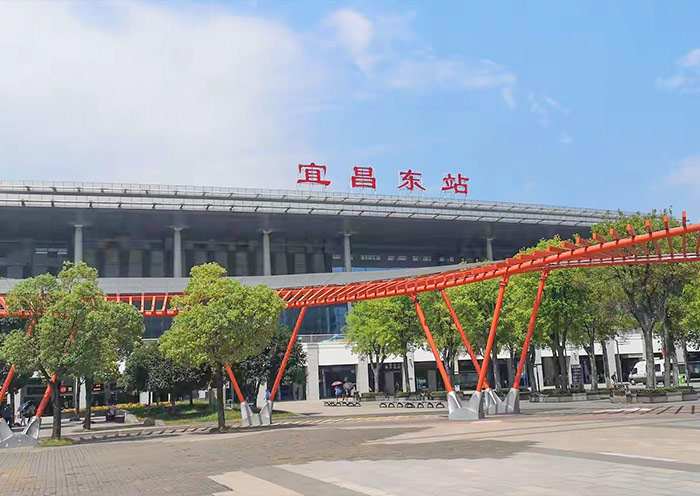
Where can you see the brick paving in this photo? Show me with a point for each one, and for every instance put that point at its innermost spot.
(612, 452)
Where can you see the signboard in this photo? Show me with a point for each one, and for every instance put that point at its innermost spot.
(97, 388)
(362, 177)
(65, 389)
(576, 375)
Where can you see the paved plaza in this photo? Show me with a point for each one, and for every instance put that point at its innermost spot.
(652, 449)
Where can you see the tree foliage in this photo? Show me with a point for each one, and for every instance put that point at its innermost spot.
(220, 321)
(647, 289)
(371, 334)
(262, 367)
(75, 332)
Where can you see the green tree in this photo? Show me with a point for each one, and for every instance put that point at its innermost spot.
(371, 335)
(75, 331)
(19, 380)
(109, 334)
(148, 369)
(647, 288)
(220, 321)
(601, 312)
(475, 305)
(445, 334)
(263, 366)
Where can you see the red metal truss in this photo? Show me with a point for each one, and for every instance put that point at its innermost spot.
(631, 250)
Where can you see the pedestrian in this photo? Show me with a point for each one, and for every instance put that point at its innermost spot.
(613, 378)
(338, 392)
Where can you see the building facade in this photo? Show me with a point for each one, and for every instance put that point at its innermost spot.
(156, 233)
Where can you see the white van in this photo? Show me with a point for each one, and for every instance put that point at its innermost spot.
(638, 374)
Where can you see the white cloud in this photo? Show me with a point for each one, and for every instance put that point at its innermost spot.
(544, 106)
(378, 48)
(686, 174)
(152, 96)
(354, 32)
(565, 139)
(687, 76)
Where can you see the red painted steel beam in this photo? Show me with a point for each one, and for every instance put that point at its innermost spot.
(530, 328)
(460, 329)
(287, 353)
(6, 384)
(431, 342)
(492, 333)
(234, 382)
(45, 398)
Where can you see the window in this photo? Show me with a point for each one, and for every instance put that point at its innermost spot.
(657, 367)
(427, 258)
(390, 258)
(415, 258)
(401, 258)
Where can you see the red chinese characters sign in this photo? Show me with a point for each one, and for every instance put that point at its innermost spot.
(363, 177)
(455, 184)
(410, 180)
(313, 174)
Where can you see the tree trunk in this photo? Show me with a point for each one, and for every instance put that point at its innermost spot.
(557, 370)
(594, 364)
(12, 409)
(406, 377)
(674, 361)
(87, 424)
(563, 370)
(56, 397)
(496, 369)
(218, 377)
(531, 374)
(377, 369)
(648, 334)
(667, 355)
(686, 359)
(606, 364)
(510, 361)
(191, 401)
(76, 398)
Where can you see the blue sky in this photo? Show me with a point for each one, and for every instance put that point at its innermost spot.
(573, 103)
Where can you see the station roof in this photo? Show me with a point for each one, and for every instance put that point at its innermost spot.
(126, 196)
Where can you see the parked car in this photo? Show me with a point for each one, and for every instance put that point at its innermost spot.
(638, 374)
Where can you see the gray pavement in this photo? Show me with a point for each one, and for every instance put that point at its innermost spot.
(635, 450)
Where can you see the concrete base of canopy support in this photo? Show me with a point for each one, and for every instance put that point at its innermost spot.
(494, 405)
(266, 413)
(473, 410)
(512, 401)
(30, 436)
(248, 418)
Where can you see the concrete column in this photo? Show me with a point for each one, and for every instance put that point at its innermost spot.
(411, 372)
(347, 254)
(267, 258)
(177, 252)
(539, 372)
(262, 392)
(362, 375)
(78, 244)
(312, 392)
(614, 359)
(489, 248)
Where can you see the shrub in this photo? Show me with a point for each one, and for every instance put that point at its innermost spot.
(368, 395)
